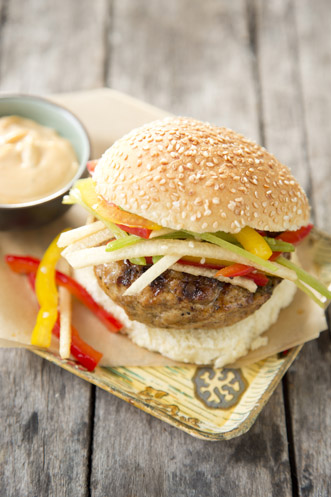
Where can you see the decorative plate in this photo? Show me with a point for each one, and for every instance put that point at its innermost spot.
(208, 403)
(212, 404)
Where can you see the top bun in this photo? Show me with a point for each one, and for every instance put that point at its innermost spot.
(186, 174)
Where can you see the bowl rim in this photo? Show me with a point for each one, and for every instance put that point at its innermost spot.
(82, 165)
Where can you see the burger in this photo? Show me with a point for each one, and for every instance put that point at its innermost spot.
(190, 239)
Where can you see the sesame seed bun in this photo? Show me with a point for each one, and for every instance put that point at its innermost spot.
(186, 174)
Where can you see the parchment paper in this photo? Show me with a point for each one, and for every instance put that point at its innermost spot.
(107, 115)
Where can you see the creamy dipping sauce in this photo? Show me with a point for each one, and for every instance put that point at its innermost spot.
(34, 160)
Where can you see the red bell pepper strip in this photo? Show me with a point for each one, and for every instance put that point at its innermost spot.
(234, 270)
(91, 165)
(249, 272)
(27, 264)
(295, 236)
(274, 256)
(80, 350)
(259, 279)
(135, 230)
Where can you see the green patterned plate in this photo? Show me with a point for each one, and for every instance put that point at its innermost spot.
(208, 403)
(212, 404)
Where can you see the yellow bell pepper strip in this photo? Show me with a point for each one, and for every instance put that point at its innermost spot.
(80, 350)
(29, 265)
(84, 191)
(47, 296)
(253, 242)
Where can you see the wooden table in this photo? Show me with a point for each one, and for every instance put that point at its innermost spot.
(262, 68)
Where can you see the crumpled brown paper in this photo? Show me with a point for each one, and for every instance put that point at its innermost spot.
(107, 115)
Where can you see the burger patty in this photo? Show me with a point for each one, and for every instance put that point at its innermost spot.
(180, 300)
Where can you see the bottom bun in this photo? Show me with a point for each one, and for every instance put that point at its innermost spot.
(218, 346)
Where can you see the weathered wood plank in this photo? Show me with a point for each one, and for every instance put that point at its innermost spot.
(310, 379)
(52, 46)
(201, 67)
(283, 125)
(294, 140)
(137, 455)
(45, 428)
(312, 23)
(45, 412)
(310, 401)
(191, 58)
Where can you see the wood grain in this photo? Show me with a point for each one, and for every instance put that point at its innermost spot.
(312, 24)
(44, 448)
(287, 132)
(283, 125)
(135, 454)
(52, 46)
(262, 68)
(168, 67)
(310, 401)
(309, 386)
(190, 57)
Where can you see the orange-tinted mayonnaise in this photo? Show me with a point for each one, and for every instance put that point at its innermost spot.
(34, 160)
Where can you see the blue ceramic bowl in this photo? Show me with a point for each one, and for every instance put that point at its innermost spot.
(46, 113)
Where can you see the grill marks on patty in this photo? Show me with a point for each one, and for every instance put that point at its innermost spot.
(180, 300)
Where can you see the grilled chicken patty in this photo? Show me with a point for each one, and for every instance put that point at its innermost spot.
(180, 300)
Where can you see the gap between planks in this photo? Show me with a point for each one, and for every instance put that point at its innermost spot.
(254, 46)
